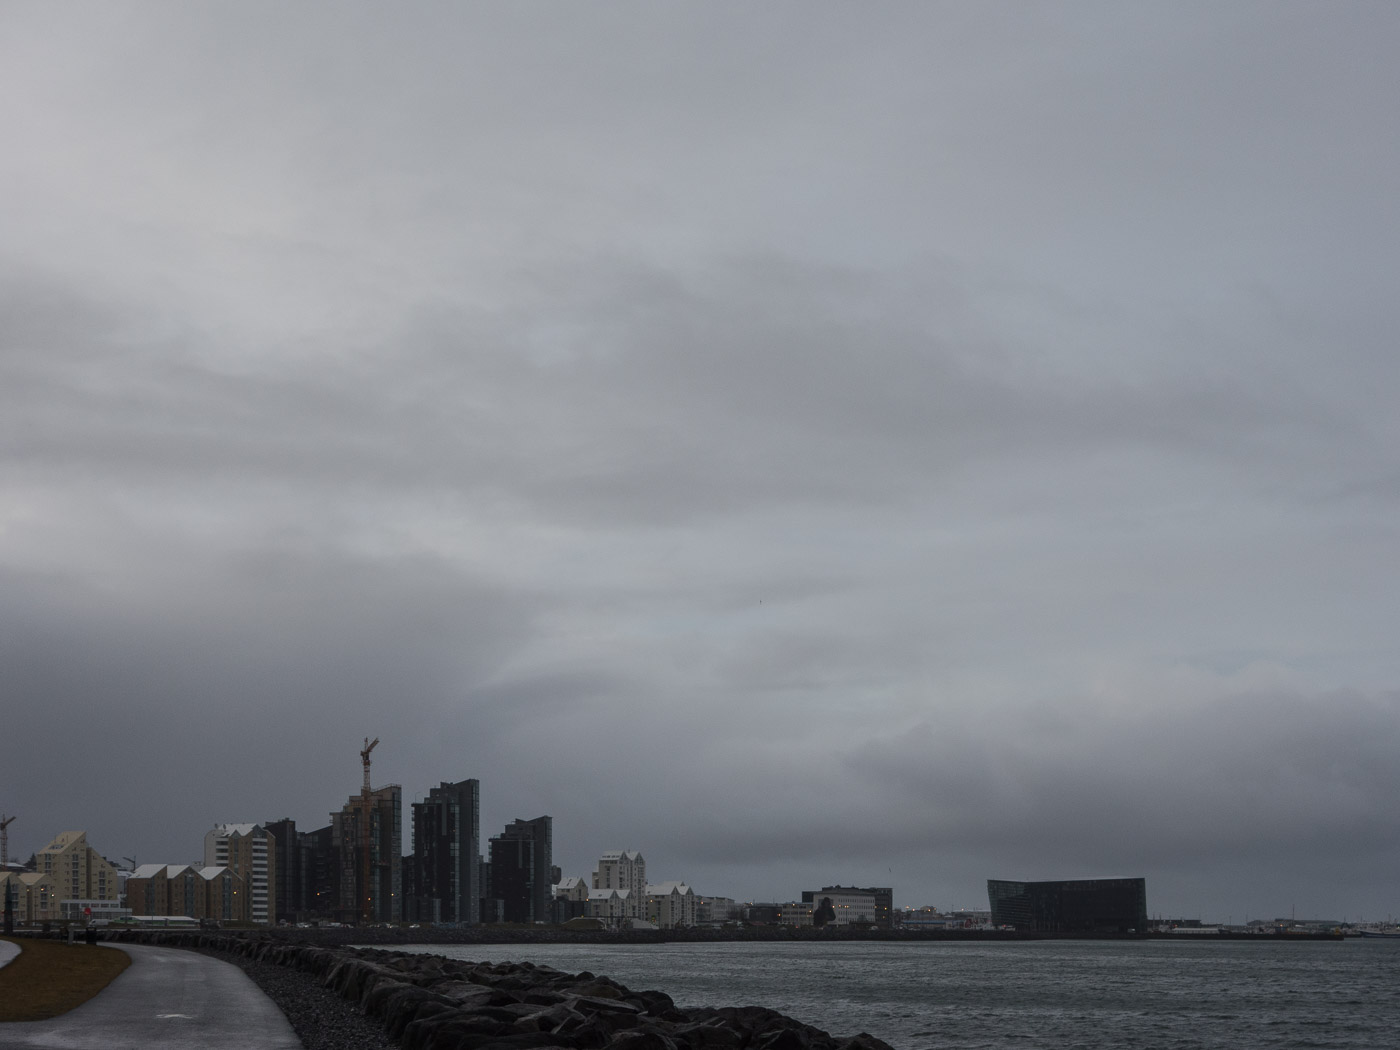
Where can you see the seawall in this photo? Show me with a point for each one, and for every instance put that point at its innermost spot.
(428, 1002)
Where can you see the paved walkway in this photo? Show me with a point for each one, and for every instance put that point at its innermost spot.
(8, 950)
(167, 999)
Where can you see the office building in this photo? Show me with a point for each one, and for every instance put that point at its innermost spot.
(850, 905)
(1073, 906)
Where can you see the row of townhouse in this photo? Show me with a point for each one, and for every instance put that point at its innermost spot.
(207, 892)
(619, 894)
(236, 883)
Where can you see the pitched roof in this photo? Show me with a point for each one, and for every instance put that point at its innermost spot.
(657, 889)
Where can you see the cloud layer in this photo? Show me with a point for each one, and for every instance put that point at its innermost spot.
(914, 444)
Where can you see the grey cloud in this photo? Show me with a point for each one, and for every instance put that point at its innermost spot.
(887, 443)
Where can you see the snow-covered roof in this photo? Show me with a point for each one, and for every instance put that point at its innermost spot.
(661, 889)
(225, 830)
(151, 871)
(602, 895)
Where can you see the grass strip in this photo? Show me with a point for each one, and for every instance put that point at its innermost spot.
(49, 978)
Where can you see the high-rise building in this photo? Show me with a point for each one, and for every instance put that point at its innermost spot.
(288, 893)
(249, 850)
(442, 875)
(521, 859)
(367, 836)
(621, 869)
(319, 885)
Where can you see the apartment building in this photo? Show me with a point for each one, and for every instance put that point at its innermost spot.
(249, 850)
(670, 904)
(209, 892)
(621, 869)
(442, 875)
(32, 894)
(521, 865)
(78, 871)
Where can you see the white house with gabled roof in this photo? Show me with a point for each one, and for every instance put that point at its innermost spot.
(670, 904)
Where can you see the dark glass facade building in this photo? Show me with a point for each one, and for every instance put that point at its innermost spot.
(290, 895)
(1075, 906)
(442, 876)
(521, 859)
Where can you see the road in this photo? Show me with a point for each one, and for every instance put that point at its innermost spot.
(166, 999)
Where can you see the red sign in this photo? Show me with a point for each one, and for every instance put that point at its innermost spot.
(87, 911)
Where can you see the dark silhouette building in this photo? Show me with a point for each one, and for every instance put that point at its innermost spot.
(288, 895)
(442, 876)
(521, 859)
(1076, 906)
(318, 875)
(367, 835)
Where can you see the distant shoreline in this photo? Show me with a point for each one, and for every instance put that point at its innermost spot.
(372, 936)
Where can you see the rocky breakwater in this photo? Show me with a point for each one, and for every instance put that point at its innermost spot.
(427, 1002)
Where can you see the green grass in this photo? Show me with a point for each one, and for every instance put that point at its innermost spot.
(49, 978)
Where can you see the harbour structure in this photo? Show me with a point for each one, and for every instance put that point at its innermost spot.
(1114, 905)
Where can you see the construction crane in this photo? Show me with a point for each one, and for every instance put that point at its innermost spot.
(364, 757)
(5, 823)
(367, 814)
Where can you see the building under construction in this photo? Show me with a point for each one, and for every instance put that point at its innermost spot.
(366, 839)
(366, 836)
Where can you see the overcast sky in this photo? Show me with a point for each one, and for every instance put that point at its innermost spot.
(871, 443)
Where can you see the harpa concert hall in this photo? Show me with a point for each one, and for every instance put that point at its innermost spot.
(1075, 906)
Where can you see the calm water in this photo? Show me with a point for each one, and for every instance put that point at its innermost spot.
(1042, 994)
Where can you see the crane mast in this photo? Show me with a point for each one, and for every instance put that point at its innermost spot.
(367, 821)
(364, 757)
(5, 823)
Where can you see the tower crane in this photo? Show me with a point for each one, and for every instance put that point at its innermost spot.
(364, 757)
(5, 823)
(367, 821)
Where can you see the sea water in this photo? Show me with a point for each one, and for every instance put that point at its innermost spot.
(1047, 995)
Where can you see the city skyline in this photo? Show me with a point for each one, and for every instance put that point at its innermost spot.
(896, 444)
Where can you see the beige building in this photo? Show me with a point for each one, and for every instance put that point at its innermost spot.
(621, 869)
(33, 894)
(613, 907)
(249, 850)
(670, 904)
(78, 871)
(168, 890)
